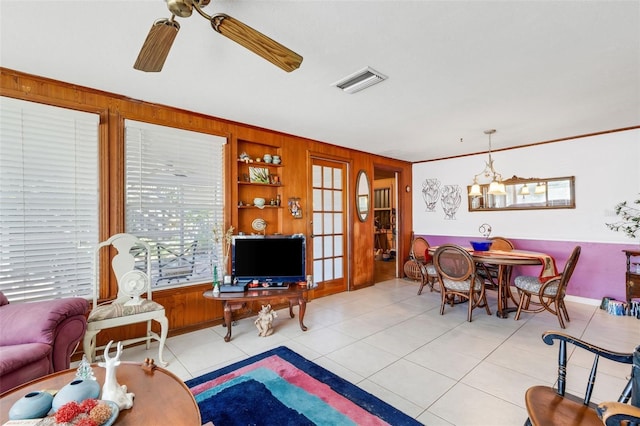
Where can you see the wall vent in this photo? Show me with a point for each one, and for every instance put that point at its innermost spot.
(360, 80)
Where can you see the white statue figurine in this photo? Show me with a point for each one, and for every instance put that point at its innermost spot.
(111, 390)
(265, 320)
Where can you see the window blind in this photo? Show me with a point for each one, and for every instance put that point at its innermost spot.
(48, 200)
(174, 199)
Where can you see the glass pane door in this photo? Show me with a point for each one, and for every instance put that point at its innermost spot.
(329, 224)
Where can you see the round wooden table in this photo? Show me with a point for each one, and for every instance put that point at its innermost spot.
(161, 398)
(505, 260)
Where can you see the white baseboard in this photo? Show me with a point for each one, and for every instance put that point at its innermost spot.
(583, 300)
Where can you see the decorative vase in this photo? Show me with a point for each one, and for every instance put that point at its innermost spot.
(33, 405)
(78, 391)
(225, 265)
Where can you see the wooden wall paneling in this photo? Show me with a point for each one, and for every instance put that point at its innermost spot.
(362, 237)
(186, 308)
(295, 180)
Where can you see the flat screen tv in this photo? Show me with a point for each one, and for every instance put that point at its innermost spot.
(269, 259)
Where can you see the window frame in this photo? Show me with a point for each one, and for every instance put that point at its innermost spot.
(208, 251)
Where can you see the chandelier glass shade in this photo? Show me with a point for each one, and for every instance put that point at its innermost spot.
(496, 187)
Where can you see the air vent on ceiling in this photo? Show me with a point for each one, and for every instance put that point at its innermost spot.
(360, 80)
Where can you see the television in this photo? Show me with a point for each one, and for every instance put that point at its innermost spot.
(272, 261)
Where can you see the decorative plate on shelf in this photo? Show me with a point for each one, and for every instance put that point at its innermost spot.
(259, 225)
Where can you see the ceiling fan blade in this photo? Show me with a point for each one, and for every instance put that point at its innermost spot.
(256, 42)
(157, 45)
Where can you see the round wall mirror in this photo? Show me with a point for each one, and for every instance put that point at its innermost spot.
(362, 195)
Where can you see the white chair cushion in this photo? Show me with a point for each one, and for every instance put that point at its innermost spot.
(461, 285)
(431, 270)
(117, 310)
(532, 284)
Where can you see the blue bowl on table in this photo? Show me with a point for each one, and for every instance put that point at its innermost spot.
(481, 245)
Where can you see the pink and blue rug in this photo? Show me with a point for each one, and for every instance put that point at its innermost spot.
(280, 387)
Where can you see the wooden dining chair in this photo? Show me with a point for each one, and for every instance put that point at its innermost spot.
(420, 267)
(549, 406)
(457, 275)
(550, 294)
(133, 303)
(490, 272)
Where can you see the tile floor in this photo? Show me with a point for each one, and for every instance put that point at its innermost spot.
(441, 370)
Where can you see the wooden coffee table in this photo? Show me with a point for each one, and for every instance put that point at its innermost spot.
(161, 398)
(296, 295)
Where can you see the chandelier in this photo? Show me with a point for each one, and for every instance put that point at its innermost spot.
(496, 187)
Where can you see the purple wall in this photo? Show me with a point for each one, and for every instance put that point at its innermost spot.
(600, 271)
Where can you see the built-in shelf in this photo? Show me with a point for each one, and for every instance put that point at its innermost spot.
(261, 164)
(265, 183)
(242, 182)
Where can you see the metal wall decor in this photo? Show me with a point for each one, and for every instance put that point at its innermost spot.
(430, 193)
(451, 199)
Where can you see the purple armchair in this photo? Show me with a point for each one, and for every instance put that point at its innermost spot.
(38, 338)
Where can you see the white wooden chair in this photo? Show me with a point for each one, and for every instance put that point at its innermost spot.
(129, 307)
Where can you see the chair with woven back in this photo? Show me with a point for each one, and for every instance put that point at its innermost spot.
(550, 294)
(129, 307)
(420, 267)
(458, 278)
(550, 406)
(490, 272)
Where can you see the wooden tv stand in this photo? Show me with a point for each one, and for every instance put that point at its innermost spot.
(297, 295)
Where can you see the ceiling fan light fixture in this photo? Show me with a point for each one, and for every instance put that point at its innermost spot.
(181, 8)
(156, 46)
(360, 80)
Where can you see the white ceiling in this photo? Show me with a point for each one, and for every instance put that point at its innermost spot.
(533, 70)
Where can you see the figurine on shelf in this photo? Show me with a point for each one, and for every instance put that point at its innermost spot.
(244, 157)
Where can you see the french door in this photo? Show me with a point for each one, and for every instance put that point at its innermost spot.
(329, 225)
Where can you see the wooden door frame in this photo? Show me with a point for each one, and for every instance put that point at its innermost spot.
(311, 156)
(401, 214)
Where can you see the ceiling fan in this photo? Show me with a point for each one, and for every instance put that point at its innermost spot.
(163, 32)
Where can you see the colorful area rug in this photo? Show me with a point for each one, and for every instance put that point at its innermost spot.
(280, 387)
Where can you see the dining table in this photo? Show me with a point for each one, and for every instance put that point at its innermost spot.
(506, 260)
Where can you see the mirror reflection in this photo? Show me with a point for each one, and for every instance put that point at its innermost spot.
(527, 194)
(362, 195)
